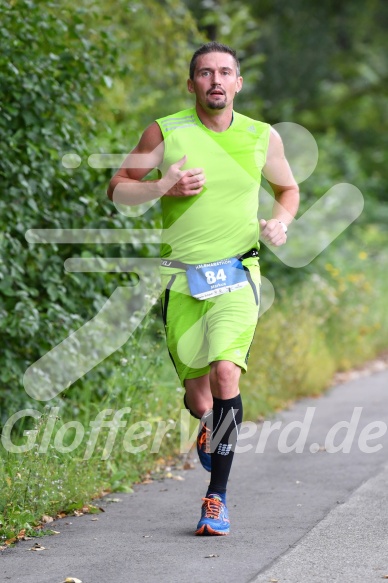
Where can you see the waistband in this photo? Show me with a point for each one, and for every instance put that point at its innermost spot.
(181, 265)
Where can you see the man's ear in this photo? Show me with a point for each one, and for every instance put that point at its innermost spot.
(239, 84)
(190, 86)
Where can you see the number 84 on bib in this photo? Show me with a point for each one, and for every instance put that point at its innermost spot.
(212, 279)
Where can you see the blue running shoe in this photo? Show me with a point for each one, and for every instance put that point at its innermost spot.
(214, 519)
(203, 447)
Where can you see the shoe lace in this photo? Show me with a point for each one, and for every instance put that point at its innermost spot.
(204, 439)
(212, 506)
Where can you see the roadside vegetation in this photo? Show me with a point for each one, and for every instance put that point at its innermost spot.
(335, 319)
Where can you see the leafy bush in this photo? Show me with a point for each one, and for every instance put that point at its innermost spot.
(65, 71)
(51, 68)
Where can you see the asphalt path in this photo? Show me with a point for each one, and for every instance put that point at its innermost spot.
(315, 515)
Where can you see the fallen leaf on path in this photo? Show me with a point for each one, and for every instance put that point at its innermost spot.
(188, 466)
(55, 532)
(94, 519)
(22, 535)
(72, 580)
(211, 556)
(37, 547)
(47, 519)
(179, 478)
(103, 494)
(274, 580)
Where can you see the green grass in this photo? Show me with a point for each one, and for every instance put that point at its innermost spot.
(335, 319)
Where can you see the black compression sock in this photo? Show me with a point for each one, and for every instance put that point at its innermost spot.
(227, 417)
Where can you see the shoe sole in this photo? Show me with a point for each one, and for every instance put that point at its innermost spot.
(207, 530)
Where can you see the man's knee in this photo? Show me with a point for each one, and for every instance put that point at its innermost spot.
(198, 407)
(225, 372)
(224, 377)
(192, 413)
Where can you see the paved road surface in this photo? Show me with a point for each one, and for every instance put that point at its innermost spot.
(295, 517)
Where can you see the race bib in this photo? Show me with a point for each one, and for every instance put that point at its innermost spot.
(207, 280)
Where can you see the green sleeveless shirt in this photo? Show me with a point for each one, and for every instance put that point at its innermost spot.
(222, 220)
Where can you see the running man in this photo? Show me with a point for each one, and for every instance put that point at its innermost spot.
(210, 159)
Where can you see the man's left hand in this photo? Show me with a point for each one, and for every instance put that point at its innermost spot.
(272, 232)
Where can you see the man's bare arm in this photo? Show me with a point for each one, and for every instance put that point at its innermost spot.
(127, 185)
(279, 175)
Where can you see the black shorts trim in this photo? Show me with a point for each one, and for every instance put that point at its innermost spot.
(164, 312)
(167, 298)
(251, 283)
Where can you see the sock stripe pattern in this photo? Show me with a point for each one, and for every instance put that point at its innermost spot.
(227, 417)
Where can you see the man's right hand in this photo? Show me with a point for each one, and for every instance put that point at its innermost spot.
(177, 182)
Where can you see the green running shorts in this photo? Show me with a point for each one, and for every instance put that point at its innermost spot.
(199, 332)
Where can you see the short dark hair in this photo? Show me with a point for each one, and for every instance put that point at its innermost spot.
(212, 47)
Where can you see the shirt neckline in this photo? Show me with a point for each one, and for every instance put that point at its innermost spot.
(213, 132)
